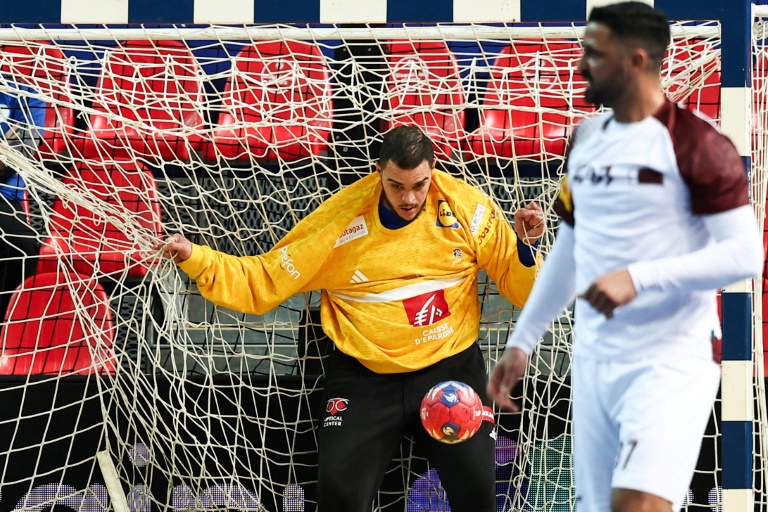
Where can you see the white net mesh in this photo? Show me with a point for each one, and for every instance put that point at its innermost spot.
(759, 130)
(231, 138)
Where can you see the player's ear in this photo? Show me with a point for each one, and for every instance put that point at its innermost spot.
(378, 167)
(640, 59)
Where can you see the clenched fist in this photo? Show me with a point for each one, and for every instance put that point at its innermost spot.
(530, 223)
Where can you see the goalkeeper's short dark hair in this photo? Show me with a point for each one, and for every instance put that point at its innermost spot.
(407, 147)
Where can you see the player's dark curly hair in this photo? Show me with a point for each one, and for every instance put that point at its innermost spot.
(407, 147)
(637, 23)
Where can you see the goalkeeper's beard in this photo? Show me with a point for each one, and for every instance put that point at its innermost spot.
(398, 211)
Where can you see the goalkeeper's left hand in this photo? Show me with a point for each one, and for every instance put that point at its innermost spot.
(530, 223)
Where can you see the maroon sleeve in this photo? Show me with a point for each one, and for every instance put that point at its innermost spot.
(708, 161)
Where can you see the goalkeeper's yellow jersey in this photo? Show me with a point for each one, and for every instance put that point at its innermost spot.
(397, 300)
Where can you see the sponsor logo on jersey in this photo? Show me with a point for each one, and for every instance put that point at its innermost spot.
(488, 225)
(358, 277)
(436, 333)
(458, 256)
(333, 408)
(427, 308)
(477, 218)
(445, 217)
(596, 175)
(286, 263)
(357, 229)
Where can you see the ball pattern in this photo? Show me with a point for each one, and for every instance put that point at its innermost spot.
(451, 412)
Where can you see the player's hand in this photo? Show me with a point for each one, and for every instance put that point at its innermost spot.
(610, 291)
(175, 247)
(530, 223)
(504, 377)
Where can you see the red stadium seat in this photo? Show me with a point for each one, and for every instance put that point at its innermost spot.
(277, 104)
(90, 241)
(148, 102)
(424, 89)
(693, 70)
(45, 68)
(57, 324)
(534, 98)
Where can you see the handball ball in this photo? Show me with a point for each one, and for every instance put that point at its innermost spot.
(451, 412)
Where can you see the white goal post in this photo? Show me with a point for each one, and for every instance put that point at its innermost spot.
(233, 134)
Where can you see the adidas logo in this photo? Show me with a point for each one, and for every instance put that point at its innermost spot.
(358, 277)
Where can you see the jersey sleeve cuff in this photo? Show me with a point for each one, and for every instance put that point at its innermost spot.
(527, 253)
(195, 264)
(643, 275)
(521, 341)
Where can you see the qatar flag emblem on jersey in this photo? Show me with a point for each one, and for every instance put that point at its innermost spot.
(427, 308)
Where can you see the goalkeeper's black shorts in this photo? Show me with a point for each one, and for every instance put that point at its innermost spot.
(364, 418)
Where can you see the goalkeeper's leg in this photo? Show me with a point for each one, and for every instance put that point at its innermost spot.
(361, 426)
(467, 470)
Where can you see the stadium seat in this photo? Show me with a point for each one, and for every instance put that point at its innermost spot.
(57, 324)
(692, 70)
(45, 68)
(534, 98)
(91, 242)
(277, 104)
(424, 89)
(148, 104)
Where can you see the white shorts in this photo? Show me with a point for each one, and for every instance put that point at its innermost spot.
(639, 425)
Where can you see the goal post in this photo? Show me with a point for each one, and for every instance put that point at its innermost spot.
(232, 134)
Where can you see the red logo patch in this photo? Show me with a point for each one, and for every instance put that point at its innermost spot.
(427, 308)
(336, 405)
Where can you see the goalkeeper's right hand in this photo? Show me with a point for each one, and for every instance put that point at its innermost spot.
(176, 247)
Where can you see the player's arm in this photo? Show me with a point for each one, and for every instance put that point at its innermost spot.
(498, 252)
(250, 284)
(718, 187)
(736, 254)
(256, 284)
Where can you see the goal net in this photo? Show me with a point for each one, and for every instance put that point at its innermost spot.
(231, 136)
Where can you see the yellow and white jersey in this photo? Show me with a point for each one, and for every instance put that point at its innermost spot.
(397, 300)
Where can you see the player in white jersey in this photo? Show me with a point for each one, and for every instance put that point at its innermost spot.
(656, 218)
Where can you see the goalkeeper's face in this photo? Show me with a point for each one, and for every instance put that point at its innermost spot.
(405, 190)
